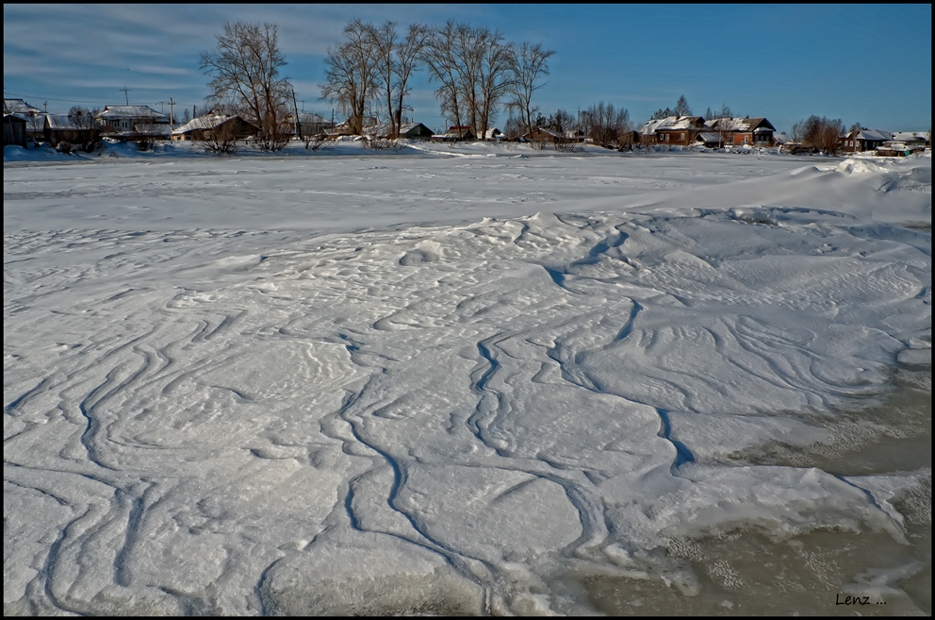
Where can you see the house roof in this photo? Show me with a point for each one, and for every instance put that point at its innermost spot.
(548, 132)
(131, 111)
(61, 121)
(670, 122)
(740, 124)
(872, 135)
(19, 106)
(911, 136)
(209, 121)
(385, 129)
(12, 118)
(709, 137)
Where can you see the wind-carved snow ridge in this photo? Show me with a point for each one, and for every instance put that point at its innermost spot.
(441, 419)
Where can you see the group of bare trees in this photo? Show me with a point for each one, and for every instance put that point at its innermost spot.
(373, 63)
(475, 69)
(823, 134)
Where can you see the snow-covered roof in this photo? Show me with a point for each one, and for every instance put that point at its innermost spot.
(548, 132)
(19, 106)
(911, 136)
(61, 121)
(872, 135)
(132, 111)
(709, 137)
(739, 124)
(385, 129)
(209, 121)
(669, 122)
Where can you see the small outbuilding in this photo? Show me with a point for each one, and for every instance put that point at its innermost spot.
(408, 131)
(456, 134)
(541, 134)
(64, 128)
(14, 130)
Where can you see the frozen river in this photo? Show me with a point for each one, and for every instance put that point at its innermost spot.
(477, 380)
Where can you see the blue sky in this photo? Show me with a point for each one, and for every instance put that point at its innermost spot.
(861, 63)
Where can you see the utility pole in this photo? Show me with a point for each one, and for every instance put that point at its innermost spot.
(171, 113)
(126, 92)
(295, 106)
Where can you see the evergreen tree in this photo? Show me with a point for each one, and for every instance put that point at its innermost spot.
(681, 107)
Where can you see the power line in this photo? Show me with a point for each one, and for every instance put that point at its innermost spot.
(9, 95)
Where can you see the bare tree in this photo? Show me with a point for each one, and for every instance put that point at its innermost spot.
(467, 53)
(222, 138)
(245, 66)
(351, 73)
(494, 76)
(397, 60)
(529, 64)
(146, 134)
(438, 54)
(88, 128)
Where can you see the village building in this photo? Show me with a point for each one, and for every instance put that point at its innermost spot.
(862, 140)
(408, 131)
(710, 139)
(672, 130)
(14, 130)
(65, 128)
(311, 124)
(213, 126)
(20, 108)
(541, 134)
(34, 117)
(905, 143)
(456, 134)
(755, 131)
(345, 128)
(134, 121)
(912, 138)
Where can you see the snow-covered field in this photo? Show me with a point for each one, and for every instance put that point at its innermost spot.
(481, 379)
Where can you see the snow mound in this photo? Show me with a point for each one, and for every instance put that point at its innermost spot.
(859, 166)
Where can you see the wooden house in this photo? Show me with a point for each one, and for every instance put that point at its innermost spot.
(133, 121)
(861, 140)
(214, 125)
(456, 134)
(912, 139)
(34, 117)
(755, 131)
(672, 130)
(64, 128)
(407, 131)
(541, 134)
